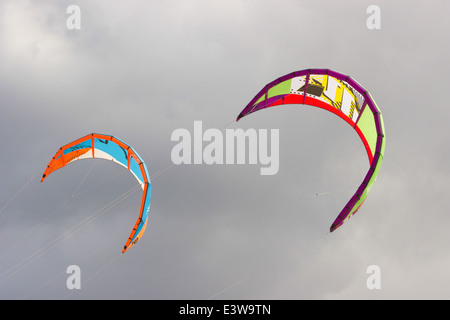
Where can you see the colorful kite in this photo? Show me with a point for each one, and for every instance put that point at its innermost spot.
(100, 146)
(342, 96)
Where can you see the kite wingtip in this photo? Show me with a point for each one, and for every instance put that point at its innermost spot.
(239, 117)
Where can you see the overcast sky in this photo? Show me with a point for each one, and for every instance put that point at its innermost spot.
(140, 70)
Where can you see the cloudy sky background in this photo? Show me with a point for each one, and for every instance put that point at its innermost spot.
(141, 69)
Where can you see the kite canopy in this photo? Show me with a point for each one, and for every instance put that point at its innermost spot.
(101, 146)
(341, 95)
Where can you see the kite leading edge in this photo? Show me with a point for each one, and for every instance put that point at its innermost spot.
(343, 96)
(101, 146)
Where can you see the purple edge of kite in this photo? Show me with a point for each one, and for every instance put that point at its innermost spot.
(369, 102)
(355, 198)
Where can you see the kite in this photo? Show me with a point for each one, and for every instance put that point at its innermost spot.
(343, 96)
(101, 146)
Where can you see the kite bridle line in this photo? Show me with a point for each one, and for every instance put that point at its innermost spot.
(61, 238)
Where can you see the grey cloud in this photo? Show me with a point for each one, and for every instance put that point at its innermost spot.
(224, 231)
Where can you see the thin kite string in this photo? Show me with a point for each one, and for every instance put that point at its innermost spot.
(104, 267)
(86, 257)
(52, 244)
(82, 180)
(64, 203)
(17, 193)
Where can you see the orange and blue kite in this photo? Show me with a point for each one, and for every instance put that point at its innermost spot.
(101, 146)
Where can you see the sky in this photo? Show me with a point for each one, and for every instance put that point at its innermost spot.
(140, 70)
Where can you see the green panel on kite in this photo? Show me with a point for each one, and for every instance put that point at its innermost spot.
(366, 124)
